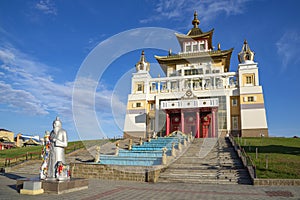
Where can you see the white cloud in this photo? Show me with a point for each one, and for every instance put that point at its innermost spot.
(47, 7)
(20, 100)
(28, 86)
(288, 48)
(184, 9)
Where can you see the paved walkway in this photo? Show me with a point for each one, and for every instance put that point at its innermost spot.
(106, 189)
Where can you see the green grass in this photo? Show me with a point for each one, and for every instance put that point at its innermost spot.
(283, 156)
(19, 154)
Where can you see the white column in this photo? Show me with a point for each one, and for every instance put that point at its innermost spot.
(228, 112)
(156, 115)
(158, 87)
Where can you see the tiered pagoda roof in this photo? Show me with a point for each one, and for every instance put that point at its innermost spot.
(196, 34)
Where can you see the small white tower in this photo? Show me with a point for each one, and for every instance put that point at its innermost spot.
(135, 119)
(252, 108)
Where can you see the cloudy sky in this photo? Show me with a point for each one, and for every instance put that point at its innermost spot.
(46, 48)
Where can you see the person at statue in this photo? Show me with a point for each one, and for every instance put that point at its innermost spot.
(58, 143)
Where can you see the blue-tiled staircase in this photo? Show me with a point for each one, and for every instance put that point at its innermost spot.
(147, 154)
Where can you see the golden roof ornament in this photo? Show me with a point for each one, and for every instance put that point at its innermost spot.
(196, 21)
(142, 65)
(219, 47)
(246, 55)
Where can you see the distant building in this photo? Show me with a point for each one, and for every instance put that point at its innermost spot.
(27, 140)
(199, 95)
(6, 139)
(6, 135)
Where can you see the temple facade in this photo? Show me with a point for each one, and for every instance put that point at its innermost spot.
(199, 94)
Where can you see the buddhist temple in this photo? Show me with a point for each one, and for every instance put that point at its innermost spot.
(199, 94)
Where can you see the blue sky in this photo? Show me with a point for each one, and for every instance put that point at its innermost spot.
(45, 43)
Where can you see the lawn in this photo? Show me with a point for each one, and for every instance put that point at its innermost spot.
(277, 157)
(34, 152)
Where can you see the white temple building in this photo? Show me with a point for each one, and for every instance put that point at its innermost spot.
(199, 94)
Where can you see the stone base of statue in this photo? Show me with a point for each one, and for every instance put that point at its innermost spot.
(66, 186)
(32, 188)
(51, 186)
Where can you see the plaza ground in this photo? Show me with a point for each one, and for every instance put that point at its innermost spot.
(106, 189)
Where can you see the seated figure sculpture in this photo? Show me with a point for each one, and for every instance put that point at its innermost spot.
(58, 142)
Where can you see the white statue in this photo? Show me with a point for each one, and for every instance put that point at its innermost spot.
(58, 143)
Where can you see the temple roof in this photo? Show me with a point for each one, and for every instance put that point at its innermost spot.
(196, 33)
(185, 58)
(207, 35)
(209, 55)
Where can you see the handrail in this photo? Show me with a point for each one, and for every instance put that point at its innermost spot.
(246, 159)
(27, 156)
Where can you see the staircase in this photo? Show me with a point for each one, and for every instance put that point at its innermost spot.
(207, 161)
(147, 154)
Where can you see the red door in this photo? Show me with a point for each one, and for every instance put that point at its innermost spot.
(175, 122)
(205, 121)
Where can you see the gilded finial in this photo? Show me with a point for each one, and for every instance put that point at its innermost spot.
(143, 56)
(196, 21)
(219, 47)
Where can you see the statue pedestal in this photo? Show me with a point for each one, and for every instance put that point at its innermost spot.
(32, 188)
(57, 187)
(60, 187)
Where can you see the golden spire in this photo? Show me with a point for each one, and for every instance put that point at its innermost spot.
(196, 21)
(142, 56)
(219, 47)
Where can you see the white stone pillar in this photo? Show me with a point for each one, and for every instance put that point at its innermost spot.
(228, 112)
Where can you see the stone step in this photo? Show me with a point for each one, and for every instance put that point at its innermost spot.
(216, 170)
(203, 176)
(206, 180)
(198, 181)
(212, 162)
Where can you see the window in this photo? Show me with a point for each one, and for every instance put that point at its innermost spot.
(235, 122)
(234, 102)
(174, 85)
(139, 87)
(163, 86)
(188, 48)
(188, 84)
(202, 47)
(195, 47)
(187, 72)
(138, 104)
(251, 99)
(249, 80)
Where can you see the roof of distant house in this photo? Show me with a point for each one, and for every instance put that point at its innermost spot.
(2, 129)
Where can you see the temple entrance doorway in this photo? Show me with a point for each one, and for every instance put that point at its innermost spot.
(200, 122)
